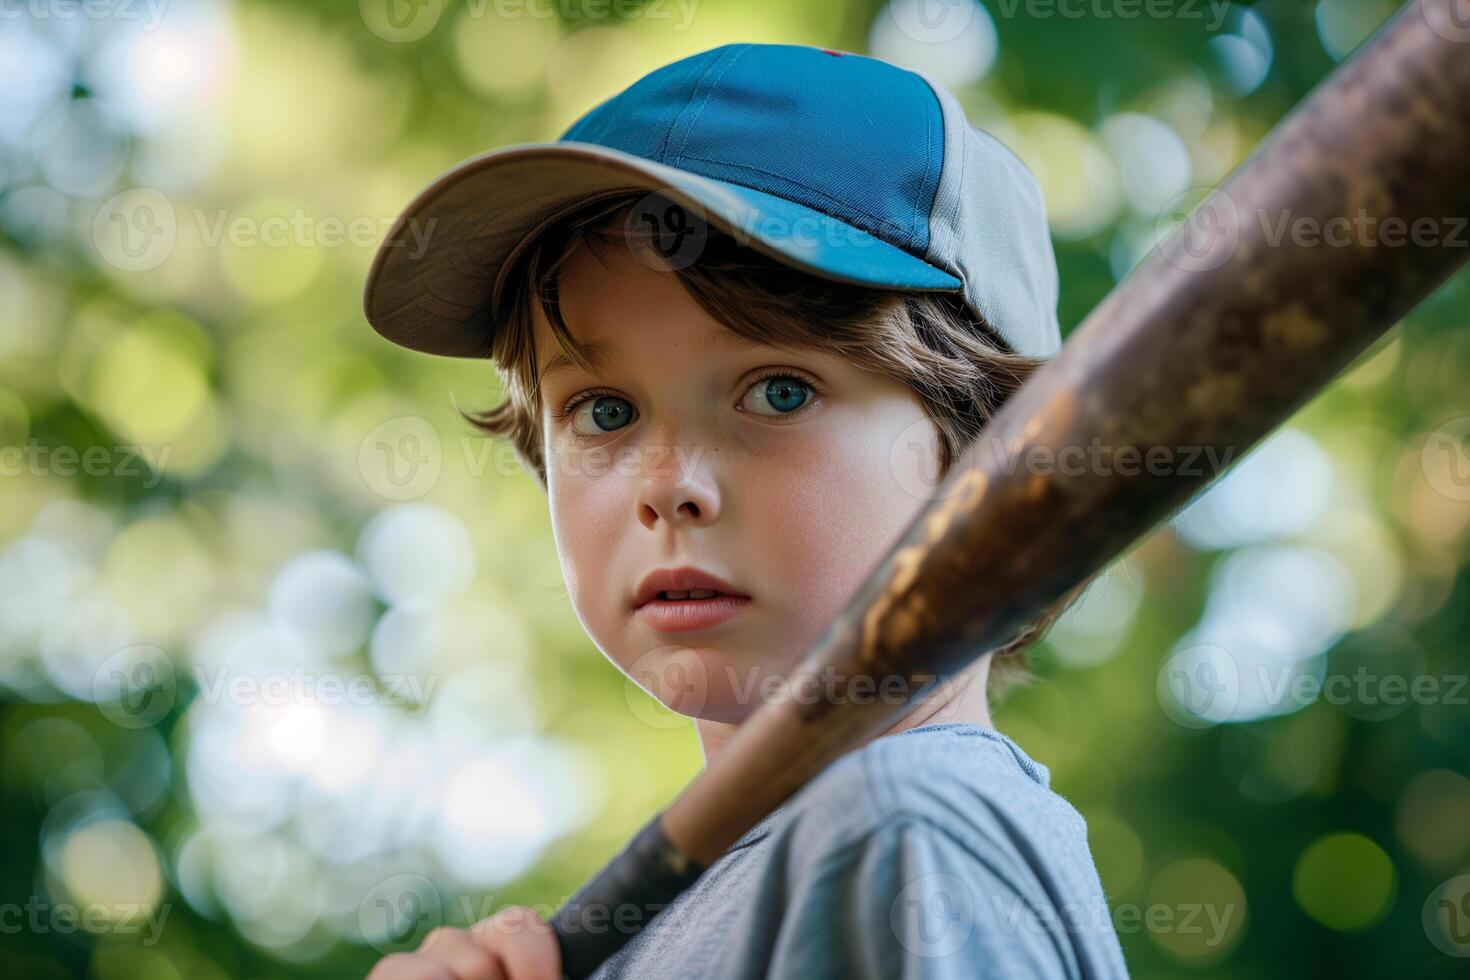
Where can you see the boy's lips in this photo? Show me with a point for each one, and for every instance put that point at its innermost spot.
(678, 615)
(682, 579)
(651, 605)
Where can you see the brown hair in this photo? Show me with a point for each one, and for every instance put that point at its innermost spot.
(952, 359)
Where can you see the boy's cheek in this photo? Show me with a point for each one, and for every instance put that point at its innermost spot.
(801, 524)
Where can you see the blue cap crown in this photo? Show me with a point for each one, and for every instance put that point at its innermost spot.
(850, 136)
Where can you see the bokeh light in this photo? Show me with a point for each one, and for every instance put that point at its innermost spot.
(1345, 881)
(296, 712)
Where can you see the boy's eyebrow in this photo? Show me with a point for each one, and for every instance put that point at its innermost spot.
(598, 350)
(595, 351)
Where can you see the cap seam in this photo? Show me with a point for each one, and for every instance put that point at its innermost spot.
(663, 145)
(939, 94)
(928, 162)
(723, 63)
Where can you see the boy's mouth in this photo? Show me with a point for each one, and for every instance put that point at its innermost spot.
(680, 610)
(684, 584)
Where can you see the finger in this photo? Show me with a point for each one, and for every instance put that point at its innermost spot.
(458, 956)
(527, 947)
(409, 966)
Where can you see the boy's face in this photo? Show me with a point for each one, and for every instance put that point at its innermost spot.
(787, 489)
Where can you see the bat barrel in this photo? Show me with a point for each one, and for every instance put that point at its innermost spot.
(1349, 215)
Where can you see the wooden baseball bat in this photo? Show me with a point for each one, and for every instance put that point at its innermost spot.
(1218, 336)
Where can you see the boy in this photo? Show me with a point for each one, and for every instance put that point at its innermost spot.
(739, 309)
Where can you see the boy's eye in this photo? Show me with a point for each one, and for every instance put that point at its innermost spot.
(604, 413)
(780, 394)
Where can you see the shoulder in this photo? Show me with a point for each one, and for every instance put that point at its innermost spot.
(971, 784)
(950, 842)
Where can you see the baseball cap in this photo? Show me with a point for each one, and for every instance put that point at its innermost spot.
(839, 164)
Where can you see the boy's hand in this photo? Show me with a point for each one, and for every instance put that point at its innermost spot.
(513, 944)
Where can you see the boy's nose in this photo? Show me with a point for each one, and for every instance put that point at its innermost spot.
(676, 490)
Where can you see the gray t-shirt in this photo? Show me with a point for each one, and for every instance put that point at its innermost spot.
(936, 853)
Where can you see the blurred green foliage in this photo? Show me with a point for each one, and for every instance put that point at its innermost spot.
(194, 417)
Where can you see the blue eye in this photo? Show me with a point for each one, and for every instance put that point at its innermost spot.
(784, 393)
(607, 412)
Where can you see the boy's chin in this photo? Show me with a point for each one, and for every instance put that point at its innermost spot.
(705, 684)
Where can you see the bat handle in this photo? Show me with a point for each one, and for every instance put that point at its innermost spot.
(646, 876)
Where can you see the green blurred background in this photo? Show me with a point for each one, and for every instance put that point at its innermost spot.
(287, 670)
